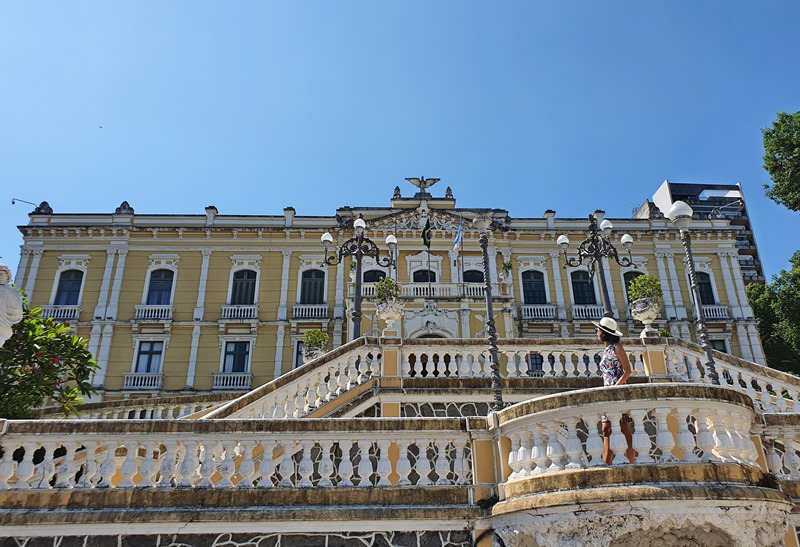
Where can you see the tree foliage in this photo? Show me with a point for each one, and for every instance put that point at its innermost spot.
(777, 307)
(43, 361)
(782, 160)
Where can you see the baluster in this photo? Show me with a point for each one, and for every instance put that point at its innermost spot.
(186, 474)
(332, 385)
(227, 467)
(267, 466)
(513, 457)
(325, 466)
(375, 365)
(25, 468)
(207, 464)
(686, 441)
(737, 450)
(286, 468)
(405, 367)
(363, 369)
(306, 466)
(280, 410)
(346, 465)
(641, 440)
(742, 428)
(617, 442)
(464, 366)
(129, 467)
(442, 466)
(423, 466)
(665, 442)
(705, 439)
(583, 365)
(780, 401)
(594, 440)
(555, 452)
(539, 452)
(169, 459)
(462, 462)
(247, 467)
(384, 467)
(66, 471)
(514, 365)
(149, 466)
(289, 407)
(522, 456)
(317, 391)
(574, 448)
(438, 369)
(299, 403)
(341, 378)
(364, 464)
(47, 468)
(790, 459)
(758, 398)
(403, 463)
(723, 445)
(558, 367)
(774, 462)
(108, 468)
(89, 466)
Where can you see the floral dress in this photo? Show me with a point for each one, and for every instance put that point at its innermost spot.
(610, 366)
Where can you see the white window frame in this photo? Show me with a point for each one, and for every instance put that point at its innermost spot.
(223, 343)
(138, 339)
(419, 261)
(161, 262)
(369, 263)
(66, 263)
(593, 278)
(311, 262)
(542, 271)
(703, 264)
(245, 262)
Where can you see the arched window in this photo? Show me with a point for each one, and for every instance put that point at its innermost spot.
(533, 291)
(706, 289)
(312, 287)
(582, 289)
(628, 277)
(243, 290)
(424, 276)
(159, 292)
(473, 276)
(371, 276)
(69, 288)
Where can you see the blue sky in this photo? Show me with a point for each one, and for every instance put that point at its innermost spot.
(522, 105)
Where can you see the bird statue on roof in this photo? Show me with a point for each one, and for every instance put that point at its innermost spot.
(422, 183)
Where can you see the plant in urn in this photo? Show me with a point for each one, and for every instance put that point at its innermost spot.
(644, 293)
(388, 307)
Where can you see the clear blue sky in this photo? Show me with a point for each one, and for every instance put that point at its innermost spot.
(522, 105)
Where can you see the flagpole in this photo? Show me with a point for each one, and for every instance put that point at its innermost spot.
(429, 274)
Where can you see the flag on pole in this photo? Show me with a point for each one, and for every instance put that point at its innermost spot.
(426, 234)
(457, 242)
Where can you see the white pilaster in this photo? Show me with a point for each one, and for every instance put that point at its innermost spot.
(665, 288)
(282, 313)
(199, 308)
(561, 310)
(738, 281)
(22, 266)
(492, 265)
(744, 342)
(102, 356)
(338, 304)
(280, 336)
(190, 372)
(111, 310)
(733, 300)
(755, 345)
(465, 311)
(94, 345)
(337, 332)
(680, 308)
(102, 299)
(454, 269)
(34, 272)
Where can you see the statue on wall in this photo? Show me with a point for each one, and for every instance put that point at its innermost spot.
(10, 305)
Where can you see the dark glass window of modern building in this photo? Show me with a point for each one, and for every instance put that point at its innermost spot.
(628, 277)
(312, 287)
(243, 291)
(582, 289)
(473, 276)
(69, 288)
(371, 276)
(149, 359)
(236, 356)
(533, 291)
(706, 290)
(160, 290)
(424, 276)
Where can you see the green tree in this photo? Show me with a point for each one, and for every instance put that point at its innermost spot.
(782, 160)
(43, 361)
(777, 307)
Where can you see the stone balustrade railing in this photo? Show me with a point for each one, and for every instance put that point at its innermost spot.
(436, 290)
(781, 438)
(771, 390)
(671, 423)
(161, 454)
(160, 408)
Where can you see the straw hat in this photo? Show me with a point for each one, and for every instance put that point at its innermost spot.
(608, 325)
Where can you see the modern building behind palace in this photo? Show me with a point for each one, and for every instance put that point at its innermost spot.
(177, 303)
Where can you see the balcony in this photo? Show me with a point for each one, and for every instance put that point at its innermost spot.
(716, 312)
(238, 312)
(149, 312)
(61, 313)
(232, 380)
(538, 312)
(142, 380)
(442, 291)
(585, 312)
(310, 311)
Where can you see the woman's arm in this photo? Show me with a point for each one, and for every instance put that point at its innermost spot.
(623, 361)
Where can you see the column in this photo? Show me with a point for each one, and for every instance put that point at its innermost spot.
(279, 342)
(662, 277)
(199, 308)
(102, 299)
(755, 344)
(465, 312)
(561, 310)
(111, 310)
(338, 306)
(102, 356)
(733, 301)
(287, 255)
(338, 325)
(94, 344)
(22, 266)
(744, 341)
(493, 265)
(190, 372)
(34, 272)
(738, 282)
(680, 308)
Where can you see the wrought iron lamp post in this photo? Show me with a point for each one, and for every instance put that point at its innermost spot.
(593, 249)
(681, 216)
(358, 247)
(482, 223)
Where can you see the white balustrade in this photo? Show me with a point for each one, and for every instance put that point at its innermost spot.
(141, 380)
(234, 455)
(310, 311)
(435, 290)
(550, 435)
(585, 312)
(232, 380)
(538, 312)
(716, 312)
(61, 313)
(147, 312)
(239, 312)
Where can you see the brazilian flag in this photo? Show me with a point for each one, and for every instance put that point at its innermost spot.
(426, 234)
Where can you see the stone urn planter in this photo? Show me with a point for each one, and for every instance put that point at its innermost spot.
(314, 343)
(390, 311)
(646, 310)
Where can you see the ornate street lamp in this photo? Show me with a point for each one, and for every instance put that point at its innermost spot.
(358, 247)
(681, 216)
(593, 249)
(483, 223)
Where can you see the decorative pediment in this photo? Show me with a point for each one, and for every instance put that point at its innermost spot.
(532, 262)
(431, 320)
(415, 220)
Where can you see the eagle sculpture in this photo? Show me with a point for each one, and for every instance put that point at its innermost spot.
(422, 183)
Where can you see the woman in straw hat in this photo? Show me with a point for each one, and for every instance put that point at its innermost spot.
(616, 370)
